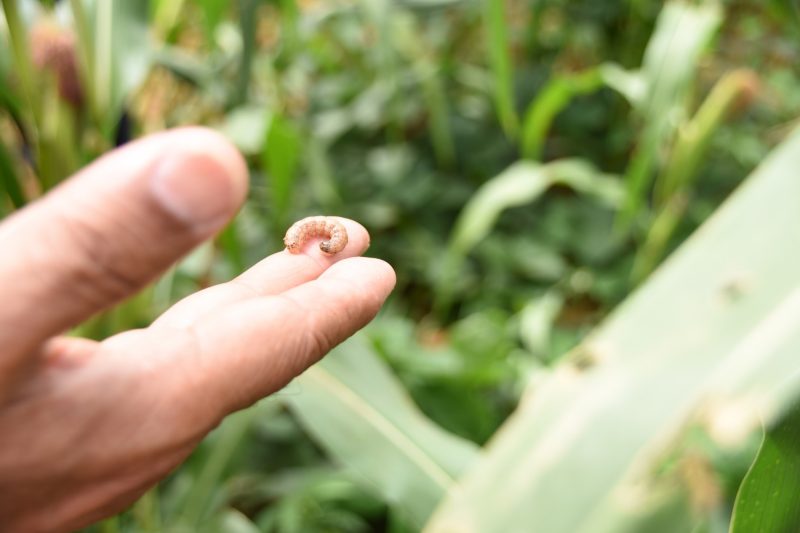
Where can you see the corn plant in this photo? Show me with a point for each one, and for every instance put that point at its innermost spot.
(526, 167)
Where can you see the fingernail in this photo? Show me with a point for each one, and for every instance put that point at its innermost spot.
(196, 189)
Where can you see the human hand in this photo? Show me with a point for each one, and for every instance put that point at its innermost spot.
(87, 427)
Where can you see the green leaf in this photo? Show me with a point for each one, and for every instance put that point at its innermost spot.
(769, 498)
(358, 411)
(670, 63)
(712, 340)
(229, 436)
(247, 127)
(213, 12)
(9, 181)
(281, 158)
(247, 24)
(521, 184)
(120, 52)
(500, 61)
(232, 521)
(536, 322)
(166, 15)
(551, 100)
(630, 84)
(679, 173)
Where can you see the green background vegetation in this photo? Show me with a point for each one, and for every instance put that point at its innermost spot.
(525, 166)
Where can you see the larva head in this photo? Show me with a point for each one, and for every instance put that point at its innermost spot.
(293, 245)
(326, 247)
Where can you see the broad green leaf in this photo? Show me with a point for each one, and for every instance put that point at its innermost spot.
(769, 498)
(358, 411)
(521, 184)
(712, 339)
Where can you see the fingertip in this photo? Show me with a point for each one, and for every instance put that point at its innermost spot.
(210, 143)
(375, 273)
(200, 177)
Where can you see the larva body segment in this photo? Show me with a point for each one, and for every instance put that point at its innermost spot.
(329, 228)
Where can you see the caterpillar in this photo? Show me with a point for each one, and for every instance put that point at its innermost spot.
(318, 226)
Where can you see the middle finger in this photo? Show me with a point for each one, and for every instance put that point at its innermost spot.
(273, 275)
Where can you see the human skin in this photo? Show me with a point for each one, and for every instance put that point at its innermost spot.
(87, 427)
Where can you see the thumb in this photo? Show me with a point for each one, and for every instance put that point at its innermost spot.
(105, 233)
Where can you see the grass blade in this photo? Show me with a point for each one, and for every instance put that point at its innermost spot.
(670, 61)
(673, 185)
(230, 435)
(23, 66)
(247, 23)
(520, 184)
(213, 11)
(357, 410)
(9, 182)
(116, 54)
(500, 62)
(281, 160)
(553, 99)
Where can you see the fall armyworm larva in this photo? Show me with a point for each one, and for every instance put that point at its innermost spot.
(308, 228)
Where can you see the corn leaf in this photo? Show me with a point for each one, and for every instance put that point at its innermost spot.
(670, 63)
(715, 332)
(769, 498)
(358, 411)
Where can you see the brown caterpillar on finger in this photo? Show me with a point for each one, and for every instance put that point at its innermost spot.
(329, 228)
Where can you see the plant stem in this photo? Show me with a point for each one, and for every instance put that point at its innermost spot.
(9, 180)
(86, 61)
(693, 140)
(673, 185)
(551, 100)
(23, 66)
(500, 61)
(247, 24)
(231, 434)
(147, 512)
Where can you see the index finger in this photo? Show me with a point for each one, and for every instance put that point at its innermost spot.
(248, 350)
(277, 273)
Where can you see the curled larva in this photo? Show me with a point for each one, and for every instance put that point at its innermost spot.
(308, 228)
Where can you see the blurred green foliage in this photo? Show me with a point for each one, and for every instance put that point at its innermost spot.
(523, 164)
